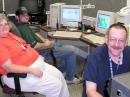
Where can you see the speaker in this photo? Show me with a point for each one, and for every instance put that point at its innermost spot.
(121, 85)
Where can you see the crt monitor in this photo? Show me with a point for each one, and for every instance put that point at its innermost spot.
(70, 15)
(103, 20)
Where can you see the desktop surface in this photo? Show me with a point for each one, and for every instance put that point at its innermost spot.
(92, 38)
(67, 34)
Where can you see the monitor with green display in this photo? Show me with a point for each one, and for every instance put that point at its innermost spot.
(104, 20)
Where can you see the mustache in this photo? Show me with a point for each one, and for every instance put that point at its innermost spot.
(116, 47)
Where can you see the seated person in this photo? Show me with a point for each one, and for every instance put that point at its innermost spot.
(105, 62)
(18, 57)
(39, 43)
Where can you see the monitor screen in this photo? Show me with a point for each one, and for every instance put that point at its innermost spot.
(70, 15)
(104, 20)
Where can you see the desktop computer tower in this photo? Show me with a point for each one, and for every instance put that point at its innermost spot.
(55, 14)
(121, 85)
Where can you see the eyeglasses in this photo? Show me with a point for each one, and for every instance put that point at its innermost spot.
(114, 40)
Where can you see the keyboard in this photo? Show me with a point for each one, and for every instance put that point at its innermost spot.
(67, 34)
(95, 38)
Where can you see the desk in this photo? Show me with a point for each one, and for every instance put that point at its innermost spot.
(65, 35)
(83, 44)
(83, 37)
(93, 39)
(48, 29)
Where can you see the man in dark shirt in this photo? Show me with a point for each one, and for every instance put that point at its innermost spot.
(106, 61)
(39, 43)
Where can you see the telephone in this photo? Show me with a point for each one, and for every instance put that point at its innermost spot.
(124, 10)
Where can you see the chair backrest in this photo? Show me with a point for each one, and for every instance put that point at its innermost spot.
(12, 17)
(14, 29)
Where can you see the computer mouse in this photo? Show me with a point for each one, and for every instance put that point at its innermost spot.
(89, 31)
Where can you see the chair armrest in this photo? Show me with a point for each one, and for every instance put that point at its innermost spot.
(17, 77)
(20, 75)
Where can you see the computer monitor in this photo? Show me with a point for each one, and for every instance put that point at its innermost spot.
(71, 15)
(103, 20)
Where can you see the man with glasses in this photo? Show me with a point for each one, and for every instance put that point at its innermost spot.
(106, 61)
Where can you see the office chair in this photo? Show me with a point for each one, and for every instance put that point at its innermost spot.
(17, 90)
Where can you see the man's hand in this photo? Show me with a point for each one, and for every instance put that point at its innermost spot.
(91, 89)
(45, 45)
(21, 69)
(46, 42)
(36, 71)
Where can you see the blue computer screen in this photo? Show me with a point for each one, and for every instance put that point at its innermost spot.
(103, 21)
(71, 15)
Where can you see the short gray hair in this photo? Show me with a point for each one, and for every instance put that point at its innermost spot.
(118, 26)
(3, 17)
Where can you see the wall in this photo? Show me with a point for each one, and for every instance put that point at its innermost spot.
(10, 5)
(128, 2)
(48, 2)
(110, 5)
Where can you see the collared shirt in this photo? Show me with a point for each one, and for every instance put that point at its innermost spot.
(98, 67)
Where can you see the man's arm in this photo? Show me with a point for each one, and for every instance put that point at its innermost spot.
(40, 36)
(46, 43)
(91, 89)
(21, 69)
